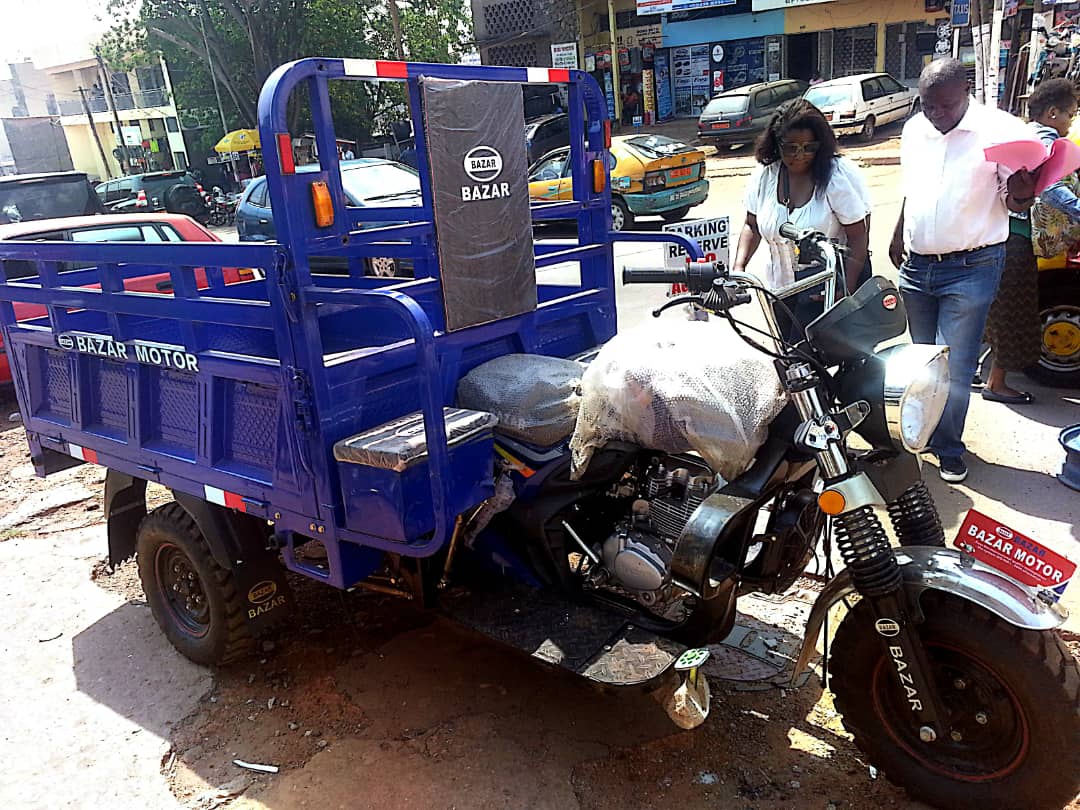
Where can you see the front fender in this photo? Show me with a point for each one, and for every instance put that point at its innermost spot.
(941, 569)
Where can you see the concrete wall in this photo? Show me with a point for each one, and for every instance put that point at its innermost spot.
(37, 145)
(84, 152)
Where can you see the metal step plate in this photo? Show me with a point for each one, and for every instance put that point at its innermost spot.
(597, 644)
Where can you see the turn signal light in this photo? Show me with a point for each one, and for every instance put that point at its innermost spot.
(831, 502)
(324, 206)
(599, 176)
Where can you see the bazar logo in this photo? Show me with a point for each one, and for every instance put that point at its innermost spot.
(483, 165)
(262, 592)
(887, 628)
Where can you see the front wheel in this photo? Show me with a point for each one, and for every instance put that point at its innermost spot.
(1059, 313)
(1013, 703)
(621, 218)
(869, 127)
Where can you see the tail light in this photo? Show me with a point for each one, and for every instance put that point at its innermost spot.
(245, 274)
(140, 200)
(199, 187)
(744, 121)
(847, 114)
(654, 180)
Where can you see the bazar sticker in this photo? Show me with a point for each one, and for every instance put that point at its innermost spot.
(1025, 560)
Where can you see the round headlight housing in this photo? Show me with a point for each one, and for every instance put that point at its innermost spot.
(916, 390)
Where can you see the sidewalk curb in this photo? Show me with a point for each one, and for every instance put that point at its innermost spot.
(883, 160)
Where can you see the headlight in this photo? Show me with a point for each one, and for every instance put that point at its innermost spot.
(916, 390)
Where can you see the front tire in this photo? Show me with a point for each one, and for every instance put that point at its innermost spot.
(194, 600)
(1059, 316)
(869, 127)
(384, 267)
(1013, 698)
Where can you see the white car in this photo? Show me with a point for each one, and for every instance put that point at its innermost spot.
(858, 105)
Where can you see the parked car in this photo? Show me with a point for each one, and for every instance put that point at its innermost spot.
(650, 174)
(155, 191)
(858, 105)
(545, 133)
(738, 116)
(121, 228)
(26, 197)
(368, 182)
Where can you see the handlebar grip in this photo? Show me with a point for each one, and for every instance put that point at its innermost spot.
(789, 231)
(653, 275)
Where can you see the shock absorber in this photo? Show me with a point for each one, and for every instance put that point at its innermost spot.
(915, 518)
(867, 554)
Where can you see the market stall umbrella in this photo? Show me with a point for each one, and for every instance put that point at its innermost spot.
(239, 140)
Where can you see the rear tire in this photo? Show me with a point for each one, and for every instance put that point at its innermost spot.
(869, 127)
(621, 218)
(1059, 314)
(1013, 696)
(194, 600)
(384, 267)
(677, 214)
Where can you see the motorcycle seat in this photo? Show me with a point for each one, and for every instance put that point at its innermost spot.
(534, 397)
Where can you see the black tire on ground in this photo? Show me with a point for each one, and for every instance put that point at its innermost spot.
(1013, 697)
(1059, 312)
(193, 599)
(916, 108)
(869, 127)
(384, 268)
(677, 214)
(621, 218)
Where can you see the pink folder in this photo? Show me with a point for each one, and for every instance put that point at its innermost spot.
(1062, 158)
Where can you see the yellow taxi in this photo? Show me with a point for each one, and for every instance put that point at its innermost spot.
(650, 175)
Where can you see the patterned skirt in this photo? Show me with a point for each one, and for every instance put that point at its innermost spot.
(1012, 327)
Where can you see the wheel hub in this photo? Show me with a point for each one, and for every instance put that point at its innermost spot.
(183, 590)
(1061, 338)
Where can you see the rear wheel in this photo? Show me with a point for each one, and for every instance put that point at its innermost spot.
(1059, 313)
(869, 127)
(621, 218)
(677, 214)
(384, 267)
(193, 599)
(1012, 697)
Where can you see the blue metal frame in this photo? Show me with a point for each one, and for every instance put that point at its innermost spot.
(294, 362)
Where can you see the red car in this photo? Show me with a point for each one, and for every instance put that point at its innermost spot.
(154, 227)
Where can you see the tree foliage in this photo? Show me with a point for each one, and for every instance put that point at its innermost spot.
(243, 41)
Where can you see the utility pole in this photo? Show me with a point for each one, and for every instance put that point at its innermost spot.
(614, 63)
(395, 21)
(106, 79)
(94, 132)
(213, 77)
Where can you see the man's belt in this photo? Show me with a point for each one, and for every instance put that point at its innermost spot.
(938, 258)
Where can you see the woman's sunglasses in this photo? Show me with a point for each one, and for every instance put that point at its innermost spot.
(798, 149)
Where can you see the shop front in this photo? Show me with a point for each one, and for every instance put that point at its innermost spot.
(635, 50)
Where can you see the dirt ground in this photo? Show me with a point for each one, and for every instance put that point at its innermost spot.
(363, 701)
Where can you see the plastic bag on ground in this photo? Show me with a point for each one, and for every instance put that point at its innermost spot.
(676, 387)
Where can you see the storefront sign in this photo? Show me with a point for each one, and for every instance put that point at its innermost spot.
(717, 81)
(648, 91)
(961, 13)
(564, 55)
(590, 63)
(769, 5)
(668, 6)
(664, 106)
(711, 236)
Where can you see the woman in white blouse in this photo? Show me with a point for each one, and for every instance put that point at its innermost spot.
(804, 181)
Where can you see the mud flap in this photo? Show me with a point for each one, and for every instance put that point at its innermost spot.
(267, 594)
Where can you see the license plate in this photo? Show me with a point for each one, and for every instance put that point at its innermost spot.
(684, 171)
(681, 195)
(1013, 554)
(721, 125)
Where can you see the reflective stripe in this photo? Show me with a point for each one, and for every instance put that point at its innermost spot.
(359, 67)
(223, 498)
(376, 69)
(82, 453)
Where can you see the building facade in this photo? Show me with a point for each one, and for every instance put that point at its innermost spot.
(669, 64)
(522, 32)
(149, 139)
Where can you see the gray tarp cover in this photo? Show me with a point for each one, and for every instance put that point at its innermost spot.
(476, 148)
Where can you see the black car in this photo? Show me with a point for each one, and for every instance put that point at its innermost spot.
(545, 133)
(740, 115)
(152, 191)
(25, 197)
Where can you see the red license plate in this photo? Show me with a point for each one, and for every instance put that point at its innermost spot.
(1016, 555)
(684, 171)
(721, 125)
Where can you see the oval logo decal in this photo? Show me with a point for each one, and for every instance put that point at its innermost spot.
(887, 628)
(1005, 532)
(262, 592)
(483, 164)
(889, 302)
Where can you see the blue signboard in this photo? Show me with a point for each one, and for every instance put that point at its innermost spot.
(664, 102)
(961, 13)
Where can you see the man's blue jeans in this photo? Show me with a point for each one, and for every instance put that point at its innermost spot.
(947, 303)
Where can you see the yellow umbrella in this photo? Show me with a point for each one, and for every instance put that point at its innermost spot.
(239, 140)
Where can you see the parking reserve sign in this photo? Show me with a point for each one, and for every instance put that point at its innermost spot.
(711, 234)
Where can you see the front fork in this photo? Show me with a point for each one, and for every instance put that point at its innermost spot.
(861, 540)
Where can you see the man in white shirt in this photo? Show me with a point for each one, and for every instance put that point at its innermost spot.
(949, 242)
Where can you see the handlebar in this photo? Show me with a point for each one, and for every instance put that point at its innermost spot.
(697, 276)
(789, 231)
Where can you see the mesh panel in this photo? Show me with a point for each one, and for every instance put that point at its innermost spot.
(688, 386)
(522, 54)
(535, 398)
(253, 415)
(511, 17)
(854, 50)
(894, 50)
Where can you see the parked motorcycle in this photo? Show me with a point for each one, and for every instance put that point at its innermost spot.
(222, 206)
(943, 669)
